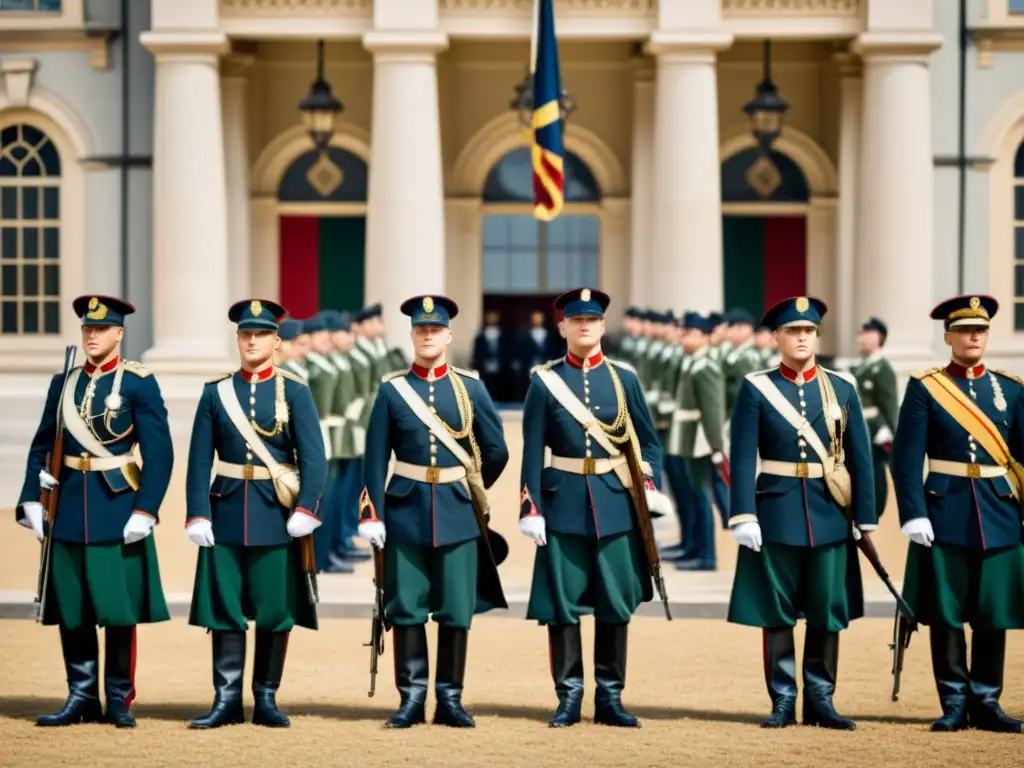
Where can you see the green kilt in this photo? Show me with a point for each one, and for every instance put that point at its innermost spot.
(575, 576)
(106, 585)
(264, 584)
(949, 586)
(780, 584)
(421, 581)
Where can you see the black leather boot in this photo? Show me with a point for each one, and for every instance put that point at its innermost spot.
(780, 676)
(567, 670)
(949, 666)
(119, 675)
(228, 669)
(988, 657)
(412, 673)
(610, 675)
(81, 664)
(451, 673)
(821, 665)
(267, 668)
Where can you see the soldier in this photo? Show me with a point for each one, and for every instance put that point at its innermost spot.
(536, 346)
(284, 356)
(741, 356)
(491, 356)
(365, 328)
(103, 565)
(590, 558)
(876, 385)
(632, 329)
(797, 556)
(449, 446)
(697, 437)
(244, 524)
(298, 350)
(966, 560)
(767, 347)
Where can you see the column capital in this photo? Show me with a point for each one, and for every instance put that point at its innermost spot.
(643, 68)
(692, 46)
(186, 44)
(875, 46)
(237, 65)
(416, 44)
(848, 65)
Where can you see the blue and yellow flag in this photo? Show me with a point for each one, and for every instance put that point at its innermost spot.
(548, 149)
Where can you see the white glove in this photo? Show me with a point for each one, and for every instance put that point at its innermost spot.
(47, 481)
(300, 524)
(533, 527)
(883, 435)
(374, 532)
(748, 535)
(33, 519)
(717, 457)
(138, 527)
(200, 532)
(920, 531)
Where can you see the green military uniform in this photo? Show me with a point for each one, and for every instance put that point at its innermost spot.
(966, 558)
(248, 526)
(103, 568)
(876, 385)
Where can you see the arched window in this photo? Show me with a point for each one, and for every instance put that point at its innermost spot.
(1018, 239)
(524, 256)
(336, 177)
(751, 176)
(29, 232)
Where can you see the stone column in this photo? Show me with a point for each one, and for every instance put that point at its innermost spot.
(821, 261)
(405, 237)
(264, 276)
(642, 227)
(234, 85)
(847, 303)
(190, 226)
(686, 264)
(894, 266)
(614, 266)
(463, 272)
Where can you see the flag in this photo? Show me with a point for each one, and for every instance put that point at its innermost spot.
(548, 153)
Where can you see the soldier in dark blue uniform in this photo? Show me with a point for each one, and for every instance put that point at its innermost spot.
(449, 446)
(798, 556)
(104, 568)
(966, 560)
(245, 523)
(590, 558)
(492, 355)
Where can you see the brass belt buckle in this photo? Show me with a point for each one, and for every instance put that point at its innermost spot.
(433, 475)
(589, 466)
(974, 471)
(248, 472)
(803, 469)
(85, 463)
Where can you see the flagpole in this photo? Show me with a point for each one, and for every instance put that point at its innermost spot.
(534, 34)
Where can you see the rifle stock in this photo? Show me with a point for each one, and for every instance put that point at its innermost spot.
(902, 629)
(379, 623)
(638, 494)
(308, 553)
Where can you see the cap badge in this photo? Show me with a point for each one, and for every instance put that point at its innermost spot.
(802, 304)
(975, 302)
(585, 294)
(428, 304)
(97, 311)
(256, 308)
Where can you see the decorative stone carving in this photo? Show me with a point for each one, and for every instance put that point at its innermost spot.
(791, 7)
(617, 7)
(294, 7)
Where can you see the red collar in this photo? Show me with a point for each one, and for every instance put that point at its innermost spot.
(795, 376)
(961, 372)
(107, 367)
(577, 362)
(424, 373)
(255, 377)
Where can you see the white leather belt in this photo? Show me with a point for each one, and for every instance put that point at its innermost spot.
(963, 469)
(871, 412)
(432, 475)
(354, 409)
(98, 463)
(335, 421)
(245, 471)
(587, 466)
(792, 468)
(686, 415)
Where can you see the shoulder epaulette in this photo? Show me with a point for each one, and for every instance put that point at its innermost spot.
(394, 375)
(220, 377)
(924, 374)
(548, 364)
(291, 375)
(622, 364)
(468, 374)
(1008, 375)
(846, 376)
(137, 368)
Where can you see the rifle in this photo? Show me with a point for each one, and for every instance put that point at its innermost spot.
(308, 554)
(867, 546)
(54, 462)
(902, 629)
(638, 493)
(379, 621)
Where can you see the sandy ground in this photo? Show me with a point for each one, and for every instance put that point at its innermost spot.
(698, 687)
